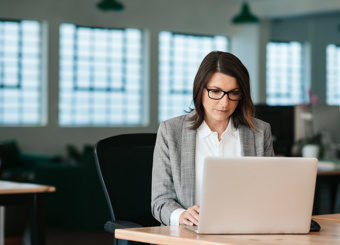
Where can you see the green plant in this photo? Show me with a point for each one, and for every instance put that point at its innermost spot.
(312, 140)
(73, 153)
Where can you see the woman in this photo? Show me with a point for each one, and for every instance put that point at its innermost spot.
(222, 124)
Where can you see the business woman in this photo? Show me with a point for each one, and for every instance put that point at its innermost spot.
(222, 124)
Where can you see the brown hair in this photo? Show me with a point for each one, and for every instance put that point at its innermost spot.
(230, 65)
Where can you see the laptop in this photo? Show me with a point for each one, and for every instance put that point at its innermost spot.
(257, 195)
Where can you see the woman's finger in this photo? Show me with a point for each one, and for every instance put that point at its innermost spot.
(190, 216)
(193, 219)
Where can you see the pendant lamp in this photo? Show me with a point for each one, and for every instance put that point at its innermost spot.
(245, 16)
(110, 5)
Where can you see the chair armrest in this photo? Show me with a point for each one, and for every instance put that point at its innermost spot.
(111, 226)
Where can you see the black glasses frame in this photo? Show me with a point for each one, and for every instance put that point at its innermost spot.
(224, 93)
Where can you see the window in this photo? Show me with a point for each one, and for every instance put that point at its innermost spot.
(179, 58)
(284, 73)
(333, 75)
(21, 100)
(101, 76)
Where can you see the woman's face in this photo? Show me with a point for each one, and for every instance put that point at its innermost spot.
(218, 111)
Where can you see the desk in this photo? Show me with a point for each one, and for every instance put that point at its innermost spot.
(330, 217)
(173, 235)
(13, 193)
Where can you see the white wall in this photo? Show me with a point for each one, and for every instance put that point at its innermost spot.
(317, 32)
(290, 8)
(188, 16)
(249, 45)
(199, 16)
(246, 43)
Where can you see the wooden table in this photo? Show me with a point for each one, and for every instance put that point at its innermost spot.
(330, 217)
(173, 235)
(13, 193)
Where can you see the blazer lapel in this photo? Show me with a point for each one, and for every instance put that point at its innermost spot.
(188, 161)
(247, 138)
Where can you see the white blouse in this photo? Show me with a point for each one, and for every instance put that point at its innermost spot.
(207, 144)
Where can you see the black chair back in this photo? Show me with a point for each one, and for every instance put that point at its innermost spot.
(3, 157)
(124, 164)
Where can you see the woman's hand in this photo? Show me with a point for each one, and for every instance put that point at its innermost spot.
(190, 216)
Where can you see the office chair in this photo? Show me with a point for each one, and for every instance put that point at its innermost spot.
(3, 159)
(124, 164)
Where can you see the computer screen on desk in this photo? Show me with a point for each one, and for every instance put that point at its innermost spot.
(326, 118)
(281, 120)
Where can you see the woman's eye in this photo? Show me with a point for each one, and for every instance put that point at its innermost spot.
(216, 91)
(236, 92)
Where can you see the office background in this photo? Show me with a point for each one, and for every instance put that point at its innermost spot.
(312, 23)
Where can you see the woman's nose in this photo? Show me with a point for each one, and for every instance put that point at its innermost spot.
(225, 100)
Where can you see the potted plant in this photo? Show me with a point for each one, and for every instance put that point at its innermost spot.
(311, 144)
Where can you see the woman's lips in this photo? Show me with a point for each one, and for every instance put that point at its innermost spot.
(222, 111)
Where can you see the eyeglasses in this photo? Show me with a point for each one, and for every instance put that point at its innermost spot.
(217, 94)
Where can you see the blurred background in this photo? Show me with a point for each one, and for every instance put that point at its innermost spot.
(75, 71)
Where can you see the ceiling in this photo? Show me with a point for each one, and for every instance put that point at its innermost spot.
(290, 8)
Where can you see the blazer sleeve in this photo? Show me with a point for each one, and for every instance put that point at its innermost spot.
(163, 196)
(268, 141)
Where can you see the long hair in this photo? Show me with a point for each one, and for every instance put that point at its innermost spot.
(230, 65)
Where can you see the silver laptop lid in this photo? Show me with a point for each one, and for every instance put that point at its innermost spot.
(257, 195)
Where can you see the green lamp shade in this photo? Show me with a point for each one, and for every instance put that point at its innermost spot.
(245, 16)
(110, 5)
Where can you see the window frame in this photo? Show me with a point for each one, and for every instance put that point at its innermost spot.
(143, 115)
(41, 77)
(289, 96)
(170, 83)
(329, 90)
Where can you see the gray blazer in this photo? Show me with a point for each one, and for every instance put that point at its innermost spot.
(173, 173)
